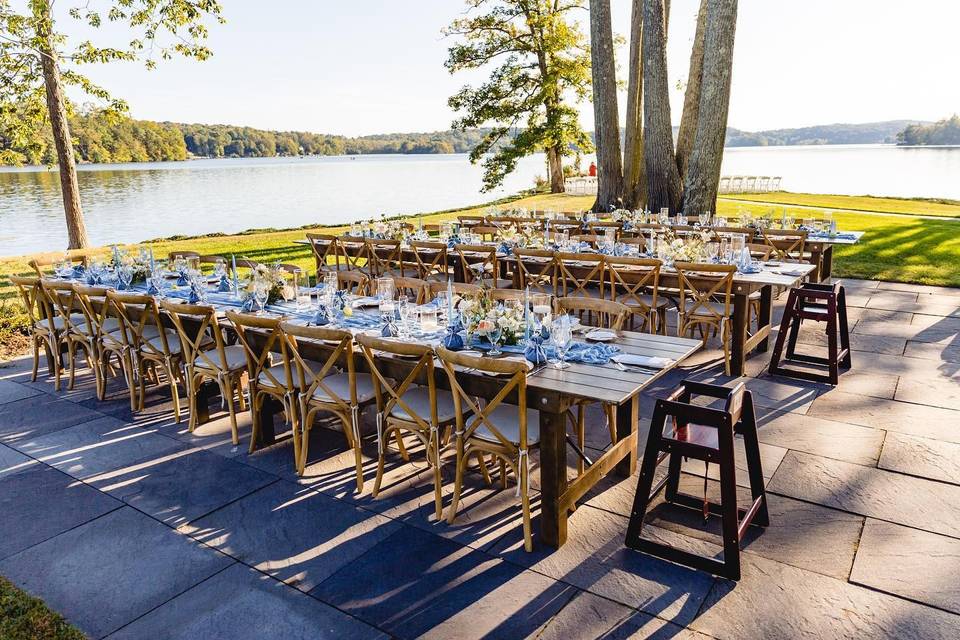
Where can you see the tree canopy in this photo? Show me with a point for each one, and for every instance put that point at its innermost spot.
(947, 131)
(538, 58)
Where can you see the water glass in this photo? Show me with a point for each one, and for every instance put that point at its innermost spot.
(428, 319)
(260, 295)
(664, 217)
(494, 335)
(704, 219)
(385, 289)
(541, 308)
(725, 250)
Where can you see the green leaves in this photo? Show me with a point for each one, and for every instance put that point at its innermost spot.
(541, 59)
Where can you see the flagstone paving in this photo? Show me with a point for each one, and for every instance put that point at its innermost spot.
(132, 526)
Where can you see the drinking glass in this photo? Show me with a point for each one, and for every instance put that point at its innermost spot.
(724, 250)
(562, 335)
(403, 309)
(664, 217)
(704, 218)
(541, 309)
(330, 282)
(260, 294)
(124, 277)
(737, 242)
(428, 319)
(385, 289)
(494, 335)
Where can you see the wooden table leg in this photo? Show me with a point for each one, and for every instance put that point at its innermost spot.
(738, 354)
(766, 315)
(553, 477)
(627, 416)
(826, 270)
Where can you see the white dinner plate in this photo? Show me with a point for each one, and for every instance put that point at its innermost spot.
(601, 335)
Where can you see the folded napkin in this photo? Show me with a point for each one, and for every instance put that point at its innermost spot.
(584, 353)
(368, 301)
(655, 362)
(362, 321)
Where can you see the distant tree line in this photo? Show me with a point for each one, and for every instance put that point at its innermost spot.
(944, 132)
(101, 137)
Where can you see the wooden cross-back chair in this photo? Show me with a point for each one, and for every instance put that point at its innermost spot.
(788, 244)
(216, 361)
(38, 262)
(459, 288)
(536, 269)
(261, 337)
(488, 233)
(383, 257)
(415, 289)
(73, 327)
(507, 432)
(328, 385)
(101, 315)
(705, 302)
(406, 406)
(328, 253)
(470, 221)
(635, 282)
(43, 331)
(431, 260)
(479, 264)
(353, 282)
(580, 274)
(748, 233)
(149, 344)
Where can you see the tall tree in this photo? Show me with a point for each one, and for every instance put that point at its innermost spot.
(634, 171)
(33, 64)
(605, 112)
(691, 97)
(542, 57)
(703, 174)
(663, 179)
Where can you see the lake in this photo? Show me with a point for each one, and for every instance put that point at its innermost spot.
(134, 202)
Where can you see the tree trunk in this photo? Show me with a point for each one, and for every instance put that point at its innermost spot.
(634, 171)
(663, 180)
(703, 174)
(57, 107)
(691, 97)
(606, 119)
(555, 168)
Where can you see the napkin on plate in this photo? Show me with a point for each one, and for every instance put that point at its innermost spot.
(654, 362)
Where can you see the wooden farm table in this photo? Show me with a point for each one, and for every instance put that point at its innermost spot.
(744, 285)
(552, 392)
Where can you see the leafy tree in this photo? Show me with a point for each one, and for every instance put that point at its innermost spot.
(946, 131)
(542, 58)
(36, 66)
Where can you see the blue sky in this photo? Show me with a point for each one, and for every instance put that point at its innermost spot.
(376, 66)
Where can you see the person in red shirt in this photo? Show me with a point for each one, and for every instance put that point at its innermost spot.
(592, 170)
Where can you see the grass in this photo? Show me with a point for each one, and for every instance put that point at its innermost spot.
(23, 617)
(905, 206)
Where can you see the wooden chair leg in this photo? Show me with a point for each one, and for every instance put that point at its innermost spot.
(457, 483)
(525, 501)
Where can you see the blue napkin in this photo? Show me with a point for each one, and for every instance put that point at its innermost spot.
(585, 353)
(535, 352)
(182, 279)
(389, 330)
(453, 340)
(321, 317)
(78, 270)
(152, 289)
(225, 285)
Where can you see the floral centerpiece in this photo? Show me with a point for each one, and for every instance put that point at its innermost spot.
(508, 235)
(271, 279)
(388, 229)
(480, 315)
(692, 248)
(139, 267)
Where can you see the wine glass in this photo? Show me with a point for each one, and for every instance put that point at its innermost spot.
(494, 334)
(260, 295)
(562, 336)
(541, 309)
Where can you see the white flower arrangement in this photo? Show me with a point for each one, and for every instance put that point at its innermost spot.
(480, 315)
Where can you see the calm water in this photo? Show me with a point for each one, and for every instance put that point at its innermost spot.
(133, 202)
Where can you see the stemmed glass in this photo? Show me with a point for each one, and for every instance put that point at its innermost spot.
(704, 218)
(562, 336)
(260, 295)
(540, 306)
(124, 277)
(404, 308)
(494, 335)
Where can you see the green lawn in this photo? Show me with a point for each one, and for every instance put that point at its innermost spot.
(908, 206)
(23, 617)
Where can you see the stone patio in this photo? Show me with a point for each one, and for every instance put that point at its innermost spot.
(132, 527)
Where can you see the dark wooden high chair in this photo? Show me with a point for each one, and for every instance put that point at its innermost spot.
(822, 303)
(706, 434)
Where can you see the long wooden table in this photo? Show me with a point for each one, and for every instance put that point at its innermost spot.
(552, 392)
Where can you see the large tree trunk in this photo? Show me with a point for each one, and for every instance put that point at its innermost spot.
(703, 174)
(663, 180)
(555, 167)
(57, 107)
(606, 119)
(634, 171)
(691, 98)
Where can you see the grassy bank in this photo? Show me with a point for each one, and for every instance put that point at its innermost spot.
(23, 617)
(902, 248)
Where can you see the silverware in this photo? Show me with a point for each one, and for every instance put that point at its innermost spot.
(636, 368)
